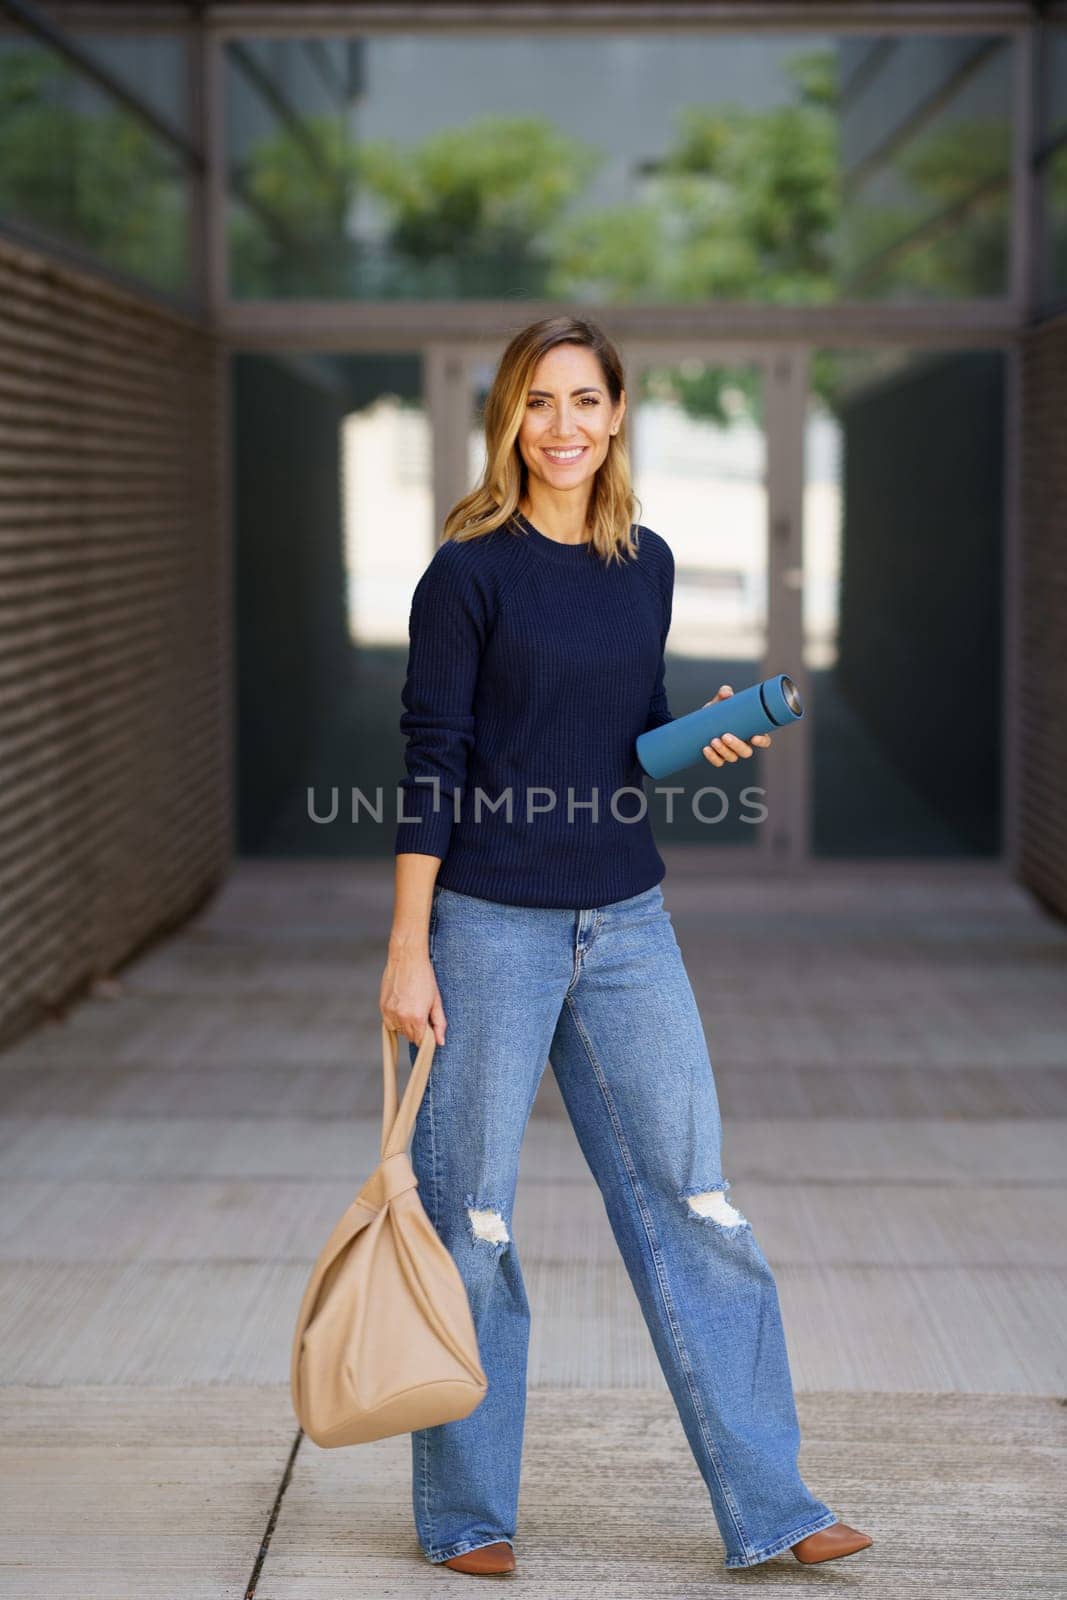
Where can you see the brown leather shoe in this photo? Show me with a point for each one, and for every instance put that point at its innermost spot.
(829, 1543)
(499, 1557)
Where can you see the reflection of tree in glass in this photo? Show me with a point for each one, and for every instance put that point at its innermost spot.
(474, 202)
(290, 235)
(947, 234)
(743, 206)
(97, 178)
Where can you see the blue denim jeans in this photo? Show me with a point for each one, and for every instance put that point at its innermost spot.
(603, 993)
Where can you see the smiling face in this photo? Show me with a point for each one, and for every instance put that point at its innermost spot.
(569, 419)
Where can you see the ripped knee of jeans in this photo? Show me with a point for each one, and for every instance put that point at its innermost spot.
(711, 1206)
(487, 1223)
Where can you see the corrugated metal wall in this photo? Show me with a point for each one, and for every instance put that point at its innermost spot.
(115, 629)
(1043, 637)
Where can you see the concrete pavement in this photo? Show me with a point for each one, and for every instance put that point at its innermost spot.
(173, 1155)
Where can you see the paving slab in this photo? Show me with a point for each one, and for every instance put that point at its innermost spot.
(829, 1224)
(817, 1150)
(119, 1493)
(99, 1086)
(967, 1329)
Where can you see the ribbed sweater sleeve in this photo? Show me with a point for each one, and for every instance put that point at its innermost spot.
(447, 629)
(659, 711)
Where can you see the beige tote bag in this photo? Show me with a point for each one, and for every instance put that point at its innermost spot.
(385, 1341)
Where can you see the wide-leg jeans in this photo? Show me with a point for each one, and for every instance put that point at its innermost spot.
(603, 994)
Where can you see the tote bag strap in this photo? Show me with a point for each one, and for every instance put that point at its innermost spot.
(397, 1125)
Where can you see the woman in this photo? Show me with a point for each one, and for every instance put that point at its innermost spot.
(529, 924)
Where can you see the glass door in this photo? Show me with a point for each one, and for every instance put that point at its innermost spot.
(699, 464)
(710, 432)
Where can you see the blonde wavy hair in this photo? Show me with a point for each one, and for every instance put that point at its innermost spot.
(496, 497)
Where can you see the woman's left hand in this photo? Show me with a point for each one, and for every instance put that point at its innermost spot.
(727, 746)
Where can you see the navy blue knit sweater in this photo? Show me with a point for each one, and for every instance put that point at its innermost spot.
(532, 668)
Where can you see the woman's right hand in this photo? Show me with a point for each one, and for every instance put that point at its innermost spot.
(409, 996)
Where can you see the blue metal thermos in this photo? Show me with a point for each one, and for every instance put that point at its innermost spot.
(774, 703)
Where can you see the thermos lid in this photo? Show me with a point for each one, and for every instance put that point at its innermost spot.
(781, 699)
